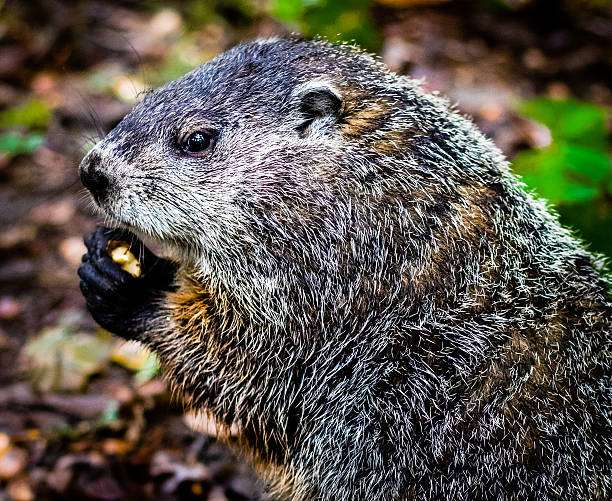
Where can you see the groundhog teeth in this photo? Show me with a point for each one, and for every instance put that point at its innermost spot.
(120, 253)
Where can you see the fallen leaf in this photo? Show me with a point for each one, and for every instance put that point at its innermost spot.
(129, 89)
(134, 356)
(17, 235)
(20, 490)
(62, 359)
(55, 213)
(130, 354)
(152, 388)
(83, 406)
(163, 463)
(12, 462)
(9, 308)
(5, 443)
(72, 249)
(115, 446)
(165, 22)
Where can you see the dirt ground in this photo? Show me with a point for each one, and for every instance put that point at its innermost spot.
(83, 417)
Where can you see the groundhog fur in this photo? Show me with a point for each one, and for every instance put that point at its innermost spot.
(356, 282)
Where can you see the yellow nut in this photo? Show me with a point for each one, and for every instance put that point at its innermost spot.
(120, 253)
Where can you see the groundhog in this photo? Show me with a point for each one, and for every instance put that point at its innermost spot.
(355, 281)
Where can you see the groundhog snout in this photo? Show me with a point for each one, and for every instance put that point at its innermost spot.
(92, 176)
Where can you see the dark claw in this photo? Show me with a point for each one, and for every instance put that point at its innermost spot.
(97, 241)
(107, 266)
(89, 274)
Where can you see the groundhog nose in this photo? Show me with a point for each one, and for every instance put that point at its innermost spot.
(93, 178)
(96, 182)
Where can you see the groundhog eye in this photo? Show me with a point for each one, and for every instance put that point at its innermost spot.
(197, 142)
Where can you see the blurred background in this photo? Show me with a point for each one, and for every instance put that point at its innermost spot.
(85, 416)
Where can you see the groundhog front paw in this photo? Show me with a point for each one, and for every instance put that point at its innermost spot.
(119, 301)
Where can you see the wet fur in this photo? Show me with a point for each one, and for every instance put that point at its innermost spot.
(369, 295)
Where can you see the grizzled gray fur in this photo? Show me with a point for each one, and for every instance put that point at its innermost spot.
(356, 282)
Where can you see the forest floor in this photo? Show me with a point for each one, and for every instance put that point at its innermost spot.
(81, 415)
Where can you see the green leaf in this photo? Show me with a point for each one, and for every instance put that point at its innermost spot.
(172, 68)
(111, 413)
(591, 165)
(32, 115)
(342, 21)
(138, 358)
(149, 370)
(16, 144)
(571, 121)
(336, 21)
(593, 222)
(576, 166)
(288, 10)
(545, 171)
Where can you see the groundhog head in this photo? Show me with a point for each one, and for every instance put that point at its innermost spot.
(284, 165)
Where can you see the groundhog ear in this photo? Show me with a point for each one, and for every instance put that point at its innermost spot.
(319, 107)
